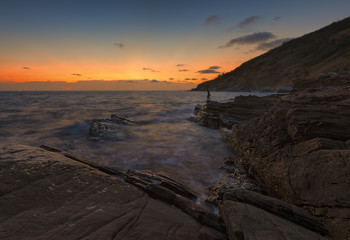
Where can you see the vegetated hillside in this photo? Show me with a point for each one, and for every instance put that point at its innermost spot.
(325, 50)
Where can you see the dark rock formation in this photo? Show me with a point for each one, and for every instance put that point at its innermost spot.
(299, 150)
(233, 179)
(165, 181)
(174, 193)
(44, 195)
(114, 129)
(246, 221)
(244, 108)
(279, 208)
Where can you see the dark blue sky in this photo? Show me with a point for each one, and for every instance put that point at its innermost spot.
(119, 39)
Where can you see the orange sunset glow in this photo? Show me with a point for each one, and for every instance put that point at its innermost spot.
(61, 42)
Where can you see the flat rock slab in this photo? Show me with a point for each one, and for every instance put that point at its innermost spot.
(44, 195)
(245, 221)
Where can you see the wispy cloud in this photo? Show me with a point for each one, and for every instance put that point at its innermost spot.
(194, 79)
(150, 69)
(278, 18)
(187, 79)
(214, 19)
(26, 68)
(204, 79)
(269, 45)
(183, 70)
(207, 71)
(250, 39)
(76, 74)
(171, 79)
(120, 45)
(245, 23)
(214, 67)
(180, 65)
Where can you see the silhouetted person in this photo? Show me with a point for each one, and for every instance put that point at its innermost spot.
(208, 95)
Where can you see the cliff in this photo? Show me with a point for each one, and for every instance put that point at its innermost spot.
(325, 50)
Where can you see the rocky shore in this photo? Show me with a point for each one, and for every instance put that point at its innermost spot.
(290, 178)
(298, 148)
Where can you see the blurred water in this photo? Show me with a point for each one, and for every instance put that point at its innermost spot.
(163, 140)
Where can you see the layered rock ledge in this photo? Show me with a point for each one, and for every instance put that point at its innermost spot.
(48, 195)
(298, 148)
(300, 151)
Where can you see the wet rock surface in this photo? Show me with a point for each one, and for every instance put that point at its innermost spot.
(51, 196)
(114, 129)
(244, 108)
(232, 180)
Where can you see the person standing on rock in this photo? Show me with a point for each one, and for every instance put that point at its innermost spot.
(208, 95)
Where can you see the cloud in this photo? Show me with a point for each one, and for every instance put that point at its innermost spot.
(187, 79)
(171, 78)
(204, 79)
(250, 39)
(214, 67)
(215, 19)
(194, 79)
(183, 70)
(276, 19)
(76, 74)
(211, 69)
(150, 69)
(245, 23)
(120, 45)
(180, 65)
(154, 81)
(269, 45)
(26, 68)
(207, 71)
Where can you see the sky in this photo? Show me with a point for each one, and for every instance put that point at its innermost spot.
(144, 44)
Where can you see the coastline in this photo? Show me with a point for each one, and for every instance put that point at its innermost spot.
(262, 141)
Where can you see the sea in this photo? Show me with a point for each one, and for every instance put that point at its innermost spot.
(162, 138)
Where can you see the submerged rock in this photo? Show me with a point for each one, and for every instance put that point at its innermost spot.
(114, 129)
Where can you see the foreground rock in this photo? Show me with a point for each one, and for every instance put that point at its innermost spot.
(249, 222)
(300, 151)
(50, 196)
(279, 208)
(114, 129)
(244, 108)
